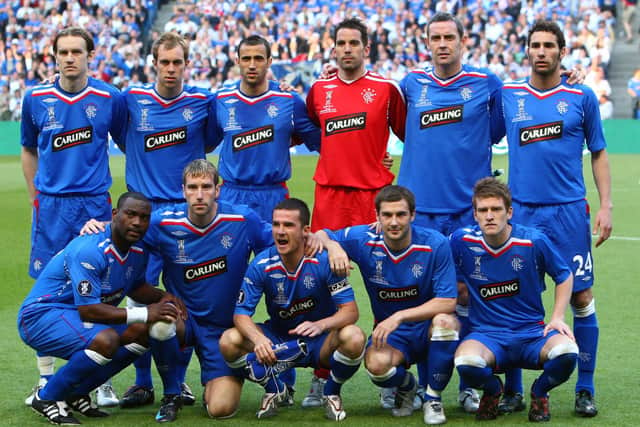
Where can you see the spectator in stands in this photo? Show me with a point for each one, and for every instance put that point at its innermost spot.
(633, 89)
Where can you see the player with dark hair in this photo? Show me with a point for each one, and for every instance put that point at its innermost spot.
(72, 311)
(410, 278)
(168, 127)
(548, 123)
(503, 265)
(64, 136)
(355, 109)
(257, 120)
(312, 315)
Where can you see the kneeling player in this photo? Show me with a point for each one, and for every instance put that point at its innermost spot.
(311, 317)
(410, 278)
(504, 265)
(72, 311)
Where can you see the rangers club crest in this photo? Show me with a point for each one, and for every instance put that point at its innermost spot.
(368, 95)
(466, 93)
(272, 111)
(90, 110)
(308, 281)
(417, 270)
(226, 240)
(562, 106)
(187, 114)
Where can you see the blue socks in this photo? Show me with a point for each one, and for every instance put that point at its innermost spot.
(556, 371)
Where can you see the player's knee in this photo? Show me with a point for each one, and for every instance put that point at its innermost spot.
(221, 408)
(376, 363)
(566, 349)
(446, 329)
(352, 340)
(470, 367)
(162, 331)
(582, 300)
(105, 343)
(230, 343)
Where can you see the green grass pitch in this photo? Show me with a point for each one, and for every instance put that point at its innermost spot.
(617, 272)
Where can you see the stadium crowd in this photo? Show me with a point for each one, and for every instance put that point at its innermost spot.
(300, 33)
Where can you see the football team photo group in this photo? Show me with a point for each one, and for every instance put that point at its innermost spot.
(211, 258)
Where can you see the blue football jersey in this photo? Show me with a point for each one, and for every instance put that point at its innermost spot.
(546, 131)
(163, 136)
(309, 293)
(257, 133)
(204, 266)
(506, 283)
(90, 270)
(71, 133)
(451, 125)
(400, 280)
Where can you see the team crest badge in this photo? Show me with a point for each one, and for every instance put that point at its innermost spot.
(187, 114)
(562, 106)
(226, 240)
(91, 110)
(417, 270)
(309, 281)
(272, 111)
(517, 263)
(466, 93)
(368, 95)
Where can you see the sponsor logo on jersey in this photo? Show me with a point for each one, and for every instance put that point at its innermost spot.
(347, 123)
(398, 294)
(72, 138)
(338, 287)
(205, 269)
(542, 132)
(84, 288)
(113, 298)
(297, 308)
(441, 116)
(252, 138)
(165, 138)
(500, 290)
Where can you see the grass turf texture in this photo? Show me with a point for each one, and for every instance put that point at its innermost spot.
(616, 291)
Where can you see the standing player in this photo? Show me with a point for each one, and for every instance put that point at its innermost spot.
(354, 110)
(548, 123)
(504, 266)
(257, 120)
(168, 127)
(454, 115)
(311, 316)
(410, 278)
(72, 311)
(64, 137)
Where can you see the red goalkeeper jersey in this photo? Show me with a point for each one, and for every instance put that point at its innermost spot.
(354, 119)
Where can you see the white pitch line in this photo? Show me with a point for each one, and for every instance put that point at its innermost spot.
(632, 239)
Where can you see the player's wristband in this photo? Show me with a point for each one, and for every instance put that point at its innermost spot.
(137, 315)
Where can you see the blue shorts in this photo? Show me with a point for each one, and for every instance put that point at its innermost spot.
(412, 340)
(314, 345)
(57, 220)
(260, 198)
(567, 226)
(445, 223)
(57, 330)
(513, 351)
(205, 338)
